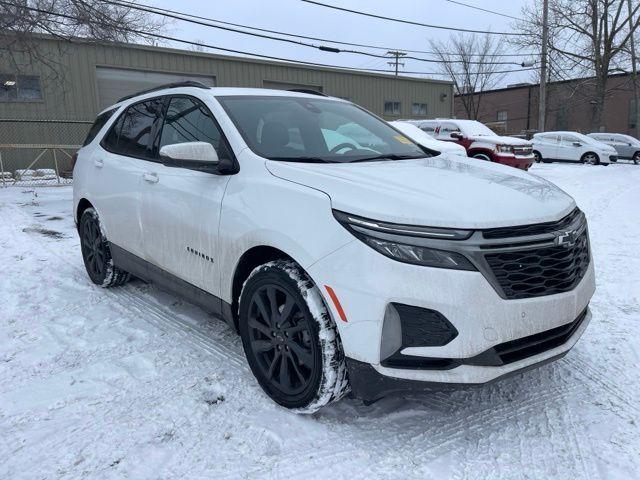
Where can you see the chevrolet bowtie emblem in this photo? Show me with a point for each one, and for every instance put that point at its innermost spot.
(567, 239)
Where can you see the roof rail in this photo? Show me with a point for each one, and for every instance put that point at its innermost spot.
(187, 83)
(308, 91)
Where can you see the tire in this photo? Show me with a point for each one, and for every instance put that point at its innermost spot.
(482, 156)
(96, 253)
(537, 156)
(636, 158)
(289, 338)
(590, 158)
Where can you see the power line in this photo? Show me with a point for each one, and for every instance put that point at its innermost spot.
(206, 22)
(486, 10)
(242, 52)
(320, 39)
(409, 22)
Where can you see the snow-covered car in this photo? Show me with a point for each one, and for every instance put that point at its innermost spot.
(627, 147)
(572, 147)
(426, 140)
(341, 268)
(481, 142)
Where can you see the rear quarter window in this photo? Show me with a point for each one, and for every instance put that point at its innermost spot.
(100, 122)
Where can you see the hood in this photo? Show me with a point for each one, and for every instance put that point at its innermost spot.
(442, 191)
(498, 140)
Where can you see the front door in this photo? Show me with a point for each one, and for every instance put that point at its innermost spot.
(181, 207)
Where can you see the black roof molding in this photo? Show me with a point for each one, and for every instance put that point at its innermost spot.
(188, 83)
(308, 91)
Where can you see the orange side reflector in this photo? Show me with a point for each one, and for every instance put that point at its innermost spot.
(336, 302)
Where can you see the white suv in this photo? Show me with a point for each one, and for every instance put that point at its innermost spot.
(572, 147)
(343, 267)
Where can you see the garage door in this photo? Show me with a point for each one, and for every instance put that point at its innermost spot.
(115, 83)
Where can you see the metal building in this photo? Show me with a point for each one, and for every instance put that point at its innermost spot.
(39, 104)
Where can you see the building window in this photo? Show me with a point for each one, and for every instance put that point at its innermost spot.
(392, 108)
(18, 88)
(418, 109)
(502, 116)
(632, 113)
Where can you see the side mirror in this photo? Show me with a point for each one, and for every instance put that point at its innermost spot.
(194, 155)
(456, 135)
(577, 144)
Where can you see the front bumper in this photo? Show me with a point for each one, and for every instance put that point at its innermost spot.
(523, 162)
(372, 382)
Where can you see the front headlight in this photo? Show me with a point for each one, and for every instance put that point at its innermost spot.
(505, 148)
(407, 244)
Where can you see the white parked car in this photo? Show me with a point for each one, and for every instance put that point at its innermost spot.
(422, 138)
(627, 147)
(572, 147)
(344, 267)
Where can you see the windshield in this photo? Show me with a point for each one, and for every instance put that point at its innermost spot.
(476, 129)
(318, 130)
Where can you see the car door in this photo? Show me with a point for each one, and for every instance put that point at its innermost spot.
(623, 146)
(181, 207)
(569, 150)
(118, 165)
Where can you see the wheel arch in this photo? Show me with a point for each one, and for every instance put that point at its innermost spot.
(83, 204)
(248, 261)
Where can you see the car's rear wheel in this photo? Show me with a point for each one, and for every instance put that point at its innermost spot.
(295, 355)
(590, 158)
(537, 156)
(96, 253)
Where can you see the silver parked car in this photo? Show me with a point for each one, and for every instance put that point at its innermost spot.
(628, 148)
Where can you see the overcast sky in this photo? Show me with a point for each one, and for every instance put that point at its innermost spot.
(295, 16)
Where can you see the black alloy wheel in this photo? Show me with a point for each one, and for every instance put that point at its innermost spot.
(94, 249)
(281, 340)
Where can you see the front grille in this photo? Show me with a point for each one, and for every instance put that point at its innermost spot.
(536, 229)
(541, 271)
(526, 347)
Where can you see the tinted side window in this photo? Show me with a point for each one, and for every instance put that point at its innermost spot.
(188, 120)
(132, 133)
(97, 125)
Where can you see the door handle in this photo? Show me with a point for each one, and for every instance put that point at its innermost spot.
(150, 177)
(98, 163)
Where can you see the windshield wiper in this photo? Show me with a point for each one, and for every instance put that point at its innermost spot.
(300, 159)
(387, 157)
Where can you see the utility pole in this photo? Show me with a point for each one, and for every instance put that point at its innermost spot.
(542, 108)
(397, 56)
(634, 71)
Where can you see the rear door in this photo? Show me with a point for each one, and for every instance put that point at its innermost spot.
(117, 169)
(547, 145)
(181, 207)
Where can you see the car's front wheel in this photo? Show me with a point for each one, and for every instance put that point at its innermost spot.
(96, 253)
(590, 158)
(289, 338)
(482, 156)
(636, 158)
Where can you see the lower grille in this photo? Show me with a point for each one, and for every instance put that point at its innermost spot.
(613, 158)
(541, 271)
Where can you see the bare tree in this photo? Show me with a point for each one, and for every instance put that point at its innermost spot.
(469, 60)
(22, 20)
(588, 38)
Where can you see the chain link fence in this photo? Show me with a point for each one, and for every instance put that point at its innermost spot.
(39, 152)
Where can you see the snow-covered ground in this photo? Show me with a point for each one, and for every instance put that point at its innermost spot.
(133, 383)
